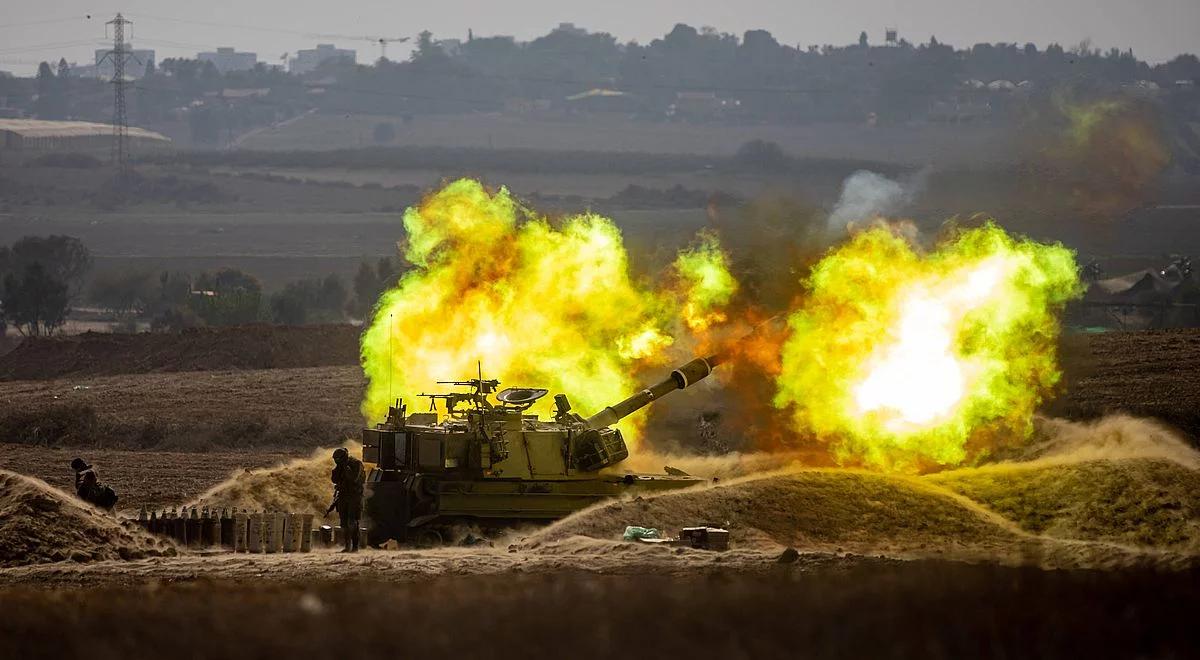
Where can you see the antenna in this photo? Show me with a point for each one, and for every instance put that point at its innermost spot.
(391, 364)
(382, 42)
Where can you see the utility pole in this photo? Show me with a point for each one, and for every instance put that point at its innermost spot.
(120, 123)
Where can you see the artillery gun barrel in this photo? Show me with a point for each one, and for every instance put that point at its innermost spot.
(684, 376)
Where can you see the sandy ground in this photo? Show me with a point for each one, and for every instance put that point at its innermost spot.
(141, 478)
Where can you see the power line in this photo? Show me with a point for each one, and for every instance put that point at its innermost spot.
(171, 44)
(220, 25)
(44, 21)
(49, 46)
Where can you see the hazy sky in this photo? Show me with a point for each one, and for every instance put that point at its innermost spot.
(47, 29)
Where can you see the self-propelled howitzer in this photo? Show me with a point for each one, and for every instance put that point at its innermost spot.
(492, 463)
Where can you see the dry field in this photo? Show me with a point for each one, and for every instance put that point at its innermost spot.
(154, 479)
(946, 566)
(904, 144)
(1153, 373)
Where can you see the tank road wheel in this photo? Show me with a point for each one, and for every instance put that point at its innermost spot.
(427, 537)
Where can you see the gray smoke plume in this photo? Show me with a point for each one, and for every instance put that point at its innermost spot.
(867, 195)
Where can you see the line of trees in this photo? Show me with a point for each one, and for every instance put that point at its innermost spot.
(41, 277)
(173, 301)
(771, 80)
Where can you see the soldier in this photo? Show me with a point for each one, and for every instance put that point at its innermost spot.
(88, 486)
(348, 478)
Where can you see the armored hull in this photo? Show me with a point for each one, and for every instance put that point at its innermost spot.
(493, 464)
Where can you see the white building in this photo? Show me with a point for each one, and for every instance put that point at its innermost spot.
(307, 61)
(33, 137)
(135, 62)
(227, 59)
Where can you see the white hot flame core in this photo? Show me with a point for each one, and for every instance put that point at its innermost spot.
(918, 379)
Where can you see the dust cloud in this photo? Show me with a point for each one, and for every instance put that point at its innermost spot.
(39, 523)
(299, 486)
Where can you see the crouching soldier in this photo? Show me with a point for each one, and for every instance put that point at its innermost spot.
(348, 478)
(88, 486)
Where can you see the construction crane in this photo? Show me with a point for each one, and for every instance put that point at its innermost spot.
(381, 41)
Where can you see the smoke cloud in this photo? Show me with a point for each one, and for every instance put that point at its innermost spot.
(867, 195)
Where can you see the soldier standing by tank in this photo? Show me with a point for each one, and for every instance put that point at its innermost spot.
(348, 478)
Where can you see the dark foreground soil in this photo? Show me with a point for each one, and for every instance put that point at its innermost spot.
(871, 609)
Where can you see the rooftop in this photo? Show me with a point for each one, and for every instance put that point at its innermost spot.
(34, 128)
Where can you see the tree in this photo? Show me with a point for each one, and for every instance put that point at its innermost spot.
(50, 104)
(64, 258)
(761, 155)
(862, 39)
(385, 271)
(124, 291)
(289, 306)
(302, 301)
(427, 49)
(369, 284)
(64, 71)
(228, 297)
(35, 302)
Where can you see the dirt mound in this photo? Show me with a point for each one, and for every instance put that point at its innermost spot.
(299, 486)
(1134, 501)
(813, 509)
(200, 349)
(39, 523)
(1118, 479)
(1116, 492)
(1113, 437)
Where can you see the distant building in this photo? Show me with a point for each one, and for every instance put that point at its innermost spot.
(701, 106)
(570, 28)
(135, 63)
(601, 100)
(307, 61)
(82, 70)
(32, 137)
(227, 59)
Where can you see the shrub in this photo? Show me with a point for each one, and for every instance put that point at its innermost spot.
(63, 423)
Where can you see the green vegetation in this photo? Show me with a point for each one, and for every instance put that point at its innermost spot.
(369, 283)
(310, 300)
(39, 276)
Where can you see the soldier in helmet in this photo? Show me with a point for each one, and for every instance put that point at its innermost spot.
(348, 478)
(88, 486)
